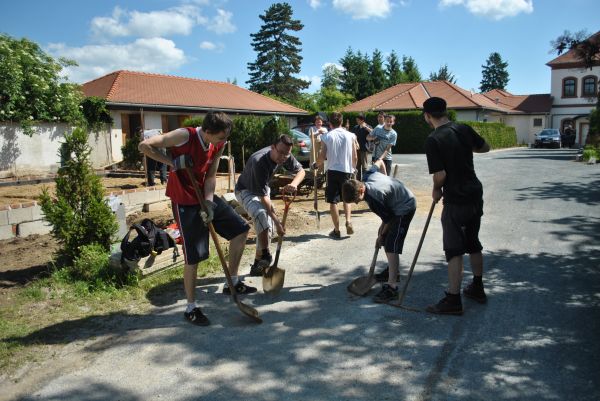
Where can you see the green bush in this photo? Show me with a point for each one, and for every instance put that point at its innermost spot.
(497, 135)
(132, 157)
(590, 151)
(192, 122)
(91, 263)
(251, 133)
(79, 214)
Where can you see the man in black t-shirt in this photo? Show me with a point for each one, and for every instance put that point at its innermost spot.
(361, 130)
(449, 150)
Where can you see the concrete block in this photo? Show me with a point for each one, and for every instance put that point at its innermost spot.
(152, 207)
(40, 227)
(36, 212)
(16, 216)
(229, 197)
(3, 218)
(6, 232)
(134, 208)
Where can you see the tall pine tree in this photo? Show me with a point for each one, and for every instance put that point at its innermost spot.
(410, 71)
(278, 54)
(393, 70)
(494, 73)
(443, 74)
(376, 72)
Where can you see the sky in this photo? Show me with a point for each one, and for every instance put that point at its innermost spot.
(210, 39)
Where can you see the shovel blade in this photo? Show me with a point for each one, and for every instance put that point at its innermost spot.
(362, 285)
(249, 311)
(273, 281)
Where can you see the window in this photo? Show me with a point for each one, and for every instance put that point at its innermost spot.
(537, 122)
(589, 87)
(569, 87)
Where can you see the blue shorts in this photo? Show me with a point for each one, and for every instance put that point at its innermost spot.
(194, 233)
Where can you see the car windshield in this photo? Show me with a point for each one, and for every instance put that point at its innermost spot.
(549, 133)
(300, 136)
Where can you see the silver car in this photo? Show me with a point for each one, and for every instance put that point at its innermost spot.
(548, 138)
(302, 146)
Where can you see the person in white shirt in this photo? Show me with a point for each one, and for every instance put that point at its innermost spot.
(338, 146)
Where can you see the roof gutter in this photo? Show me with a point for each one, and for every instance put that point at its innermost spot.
(163, 107)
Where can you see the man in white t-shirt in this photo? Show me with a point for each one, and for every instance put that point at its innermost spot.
(338, 147)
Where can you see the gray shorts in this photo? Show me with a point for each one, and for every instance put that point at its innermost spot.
(257, 211)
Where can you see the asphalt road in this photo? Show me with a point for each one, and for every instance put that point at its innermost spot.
(536, 339)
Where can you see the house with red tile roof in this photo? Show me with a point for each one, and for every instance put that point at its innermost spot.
(527, 113)
(574, 89)
(155, 101)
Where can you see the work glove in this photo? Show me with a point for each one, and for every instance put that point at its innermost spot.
(207, 213)
(182, 162)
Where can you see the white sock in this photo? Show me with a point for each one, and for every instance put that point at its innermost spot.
(191, 306)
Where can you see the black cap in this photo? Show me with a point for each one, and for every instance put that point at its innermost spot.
(434, 105)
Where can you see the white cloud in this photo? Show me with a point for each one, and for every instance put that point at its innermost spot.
(314, 4)
(145, 54)
(494, 9)
(338, 66)
(315, 83)
(221, 23)
(364, 9)
(174, 21)
(211, 46)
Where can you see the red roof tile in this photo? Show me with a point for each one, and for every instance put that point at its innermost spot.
(139, 88)
(540, 103)
(411, 96)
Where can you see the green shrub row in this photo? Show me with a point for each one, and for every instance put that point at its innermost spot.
(497, 135)
(413, 130)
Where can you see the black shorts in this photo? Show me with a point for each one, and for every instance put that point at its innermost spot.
(394, 240)
(460, 224)
(335, 180)
(194, 233)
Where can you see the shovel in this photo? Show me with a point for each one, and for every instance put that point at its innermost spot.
(273, 277)
(361, 285)
(315, 172)
(398, 303)
(246, 309)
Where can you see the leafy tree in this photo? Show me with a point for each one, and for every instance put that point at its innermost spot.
(349, 78)
(79, 215)
(393, 70)
(377, 72)
(30, 87)
(586, 47)
(331, 99)
(363, 68)
(410, 71)
(278, 54)
(443, 74)
(95, 113)
(331, 77)
(495, 75)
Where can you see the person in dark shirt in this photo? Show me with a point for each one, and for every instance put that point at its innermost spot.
(449, 150)
(395, 204)
(254, 194)
(361, 130)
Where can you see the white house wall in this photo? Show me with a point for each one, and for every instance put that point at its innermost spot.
(22, 155)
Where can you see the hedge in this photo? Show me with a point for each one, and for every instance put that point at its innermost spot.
(413, 130)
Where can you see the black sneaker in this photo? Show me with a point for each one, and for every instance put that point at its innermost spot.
(240, 288)
(449, 305)
(387, 294)
(266, 259)
(476, 292)
(256, 270)
(335, 234)
(382, 276)
(196, 317)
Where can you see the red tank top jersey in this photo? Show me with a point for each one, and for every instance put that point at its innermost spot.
(179, 188)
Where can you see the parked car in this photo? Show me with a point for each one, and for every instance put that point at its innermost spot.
(548, 138)
(302, 146)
